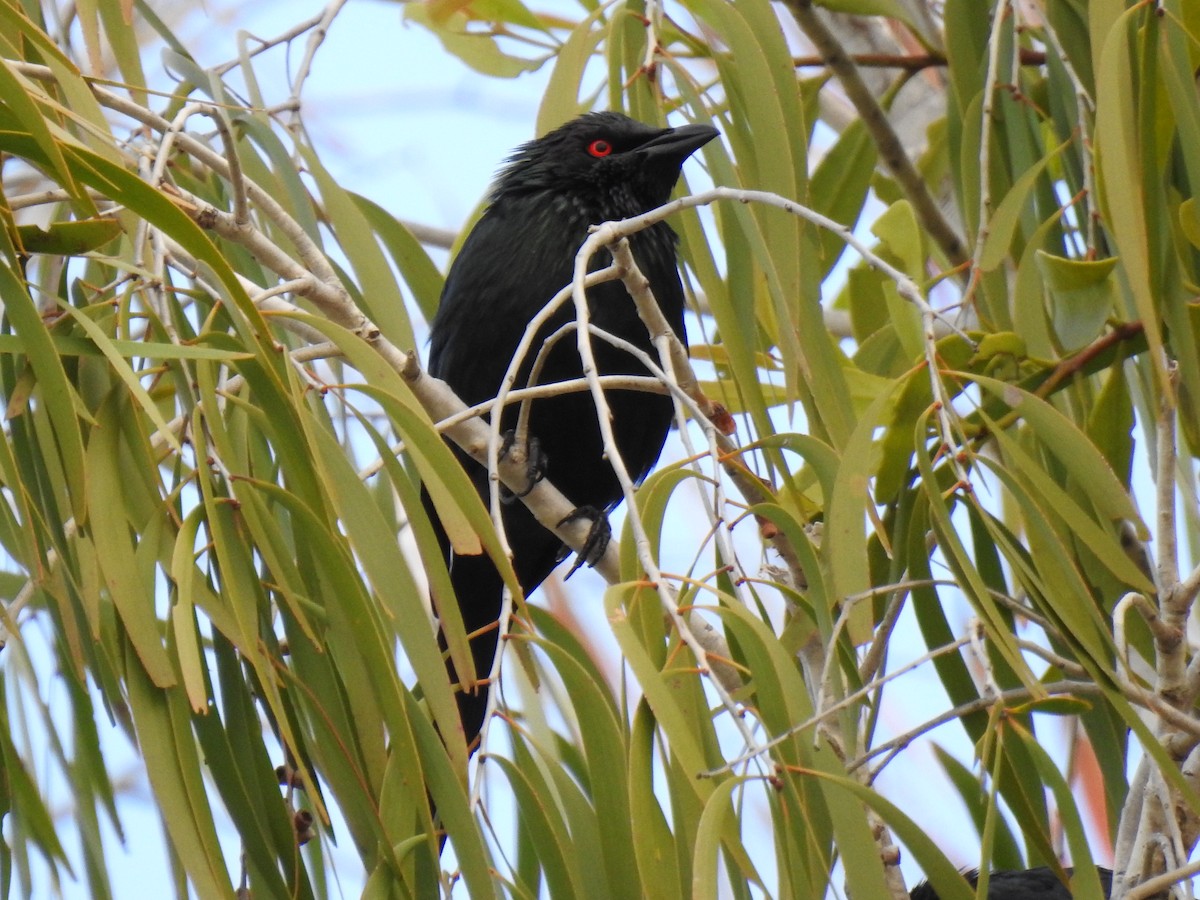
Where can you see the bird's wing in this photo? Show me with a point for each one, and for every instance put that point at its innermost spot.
(511, 264)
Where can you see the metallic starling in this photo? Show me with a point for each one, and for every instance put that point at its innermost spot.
(1032, 884)
(599, 167)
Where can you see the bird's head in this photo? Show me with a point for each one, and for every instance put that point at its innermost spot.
(623, 163)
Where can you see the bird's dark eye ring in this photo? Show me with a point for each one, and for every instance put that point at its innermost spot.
(600, 148)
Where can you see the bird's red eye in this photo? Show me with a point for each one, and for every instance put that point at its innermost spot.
(600, 148)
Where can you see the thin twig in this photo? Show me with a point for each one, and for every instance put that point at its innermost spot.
(1169, 644)
(908, 62)
(1085, 108)
(1004, 698)
(1004, 9)
(846, 702)
(597, 241)
(316, 37)
(1159, 883)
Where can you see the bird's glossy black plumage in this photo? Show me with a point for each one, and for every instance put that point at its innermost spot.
(596, 168)
(1031, 884)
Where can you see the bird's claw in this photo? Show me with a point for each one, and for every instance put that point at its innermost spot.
(597, 538)
(535, 465)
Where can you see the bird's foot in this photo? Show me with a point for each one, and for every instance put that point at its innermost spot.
(535, 464)
(597, 538)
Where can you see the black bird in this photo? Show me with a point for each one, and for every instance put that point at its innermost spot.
(598, 167)
(1032, 884)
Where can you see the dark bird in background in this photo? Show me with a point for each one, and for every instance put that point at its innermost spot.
(599, 167)
(1031, 884)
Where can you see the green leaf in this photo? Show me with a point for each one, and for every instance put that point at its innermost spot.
(55, 390)
(1004, 221)
(1083, 294)
(1071, 446)
(942, 873)
(477, 49)
(1189, 221)
(417, 269)
(560, 100)
(547, 830)
(608, 777)
(718, 819)
(68, 238)
(511, 12)
(25, 796)
(657, 854)
(19, 103)
(844, 544)
(685, 742)
(888, 8)
(898, 230)
(173, 767)
(110, 532)
(127, 375)
(1005, 852)
(1085, 881)
(1120, 163)
(376, 548)
(1110, 424)
(380, 295)
(840, 184)
(1055, 503)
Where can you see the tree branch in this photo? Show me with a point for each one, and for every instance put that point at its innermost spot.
(891, 149)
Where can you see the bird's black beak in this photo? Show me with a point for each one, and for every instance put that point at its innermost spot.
(674, 145)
